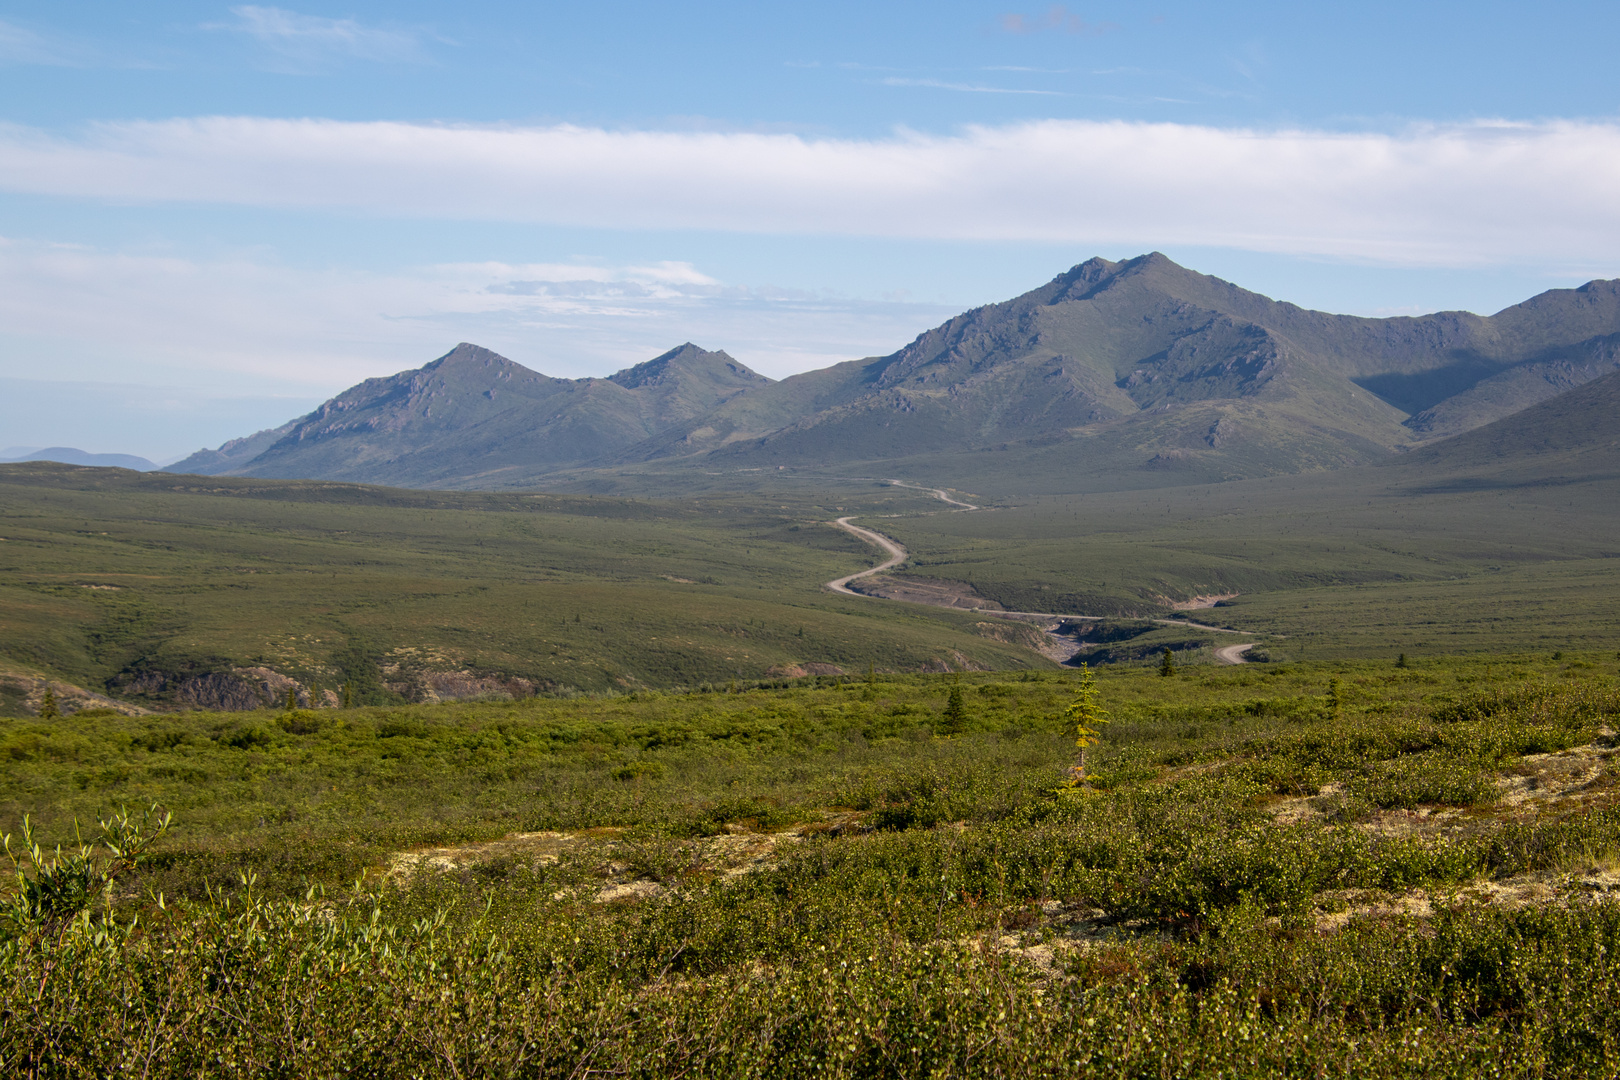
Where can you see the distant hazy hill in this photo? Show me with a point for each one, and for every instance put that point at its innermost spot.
(471, 417)
(67, 455)
(1136, 373)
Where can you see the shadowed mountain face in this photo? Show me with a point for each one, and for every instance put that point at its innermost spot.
(1565, 439)
(1138, 373)
(472, 416)
(1144, 366)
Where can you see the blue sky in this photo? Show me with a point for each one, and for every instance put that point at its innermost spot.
(214, 215)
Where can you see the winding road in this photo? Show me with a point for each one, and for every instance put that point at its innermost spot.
(897, 555)
(1233, 654)
(1226, 654)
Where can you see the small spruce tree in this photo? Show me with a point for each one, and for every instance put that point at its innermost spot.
(1400, 661)
(48, 709)
(348, 695)
(292, 699)
(1335, 696)
(954, 719)
(1167, 663)
(1085, 713)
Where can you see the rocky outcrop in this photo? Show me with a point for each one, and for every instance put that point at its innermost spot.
(229, 690)
(799, 671)
(29, 693)
(434, 686)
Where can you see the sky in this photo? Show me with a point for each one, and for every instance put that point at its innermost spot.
(214, 216)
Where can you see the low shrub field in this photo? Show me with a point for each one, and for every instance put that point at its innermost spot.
(1330, 870)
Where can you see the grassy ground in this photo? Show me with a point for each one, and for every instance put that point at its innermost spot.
(108, 572)
(1343, 564)
(1303, 869)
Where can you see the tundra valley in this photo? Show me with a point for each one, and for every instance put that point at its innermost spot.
(687, 722)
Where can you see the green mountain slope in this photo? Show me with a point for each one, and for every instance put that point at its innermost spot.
(1144, 368)
(1139, 373)
(1570, 437)
(471, 416)
(233, 454)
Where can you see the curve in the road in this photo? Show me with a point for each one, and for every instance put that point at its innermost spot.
(1226, 654)
(897, 555)
(938, 493)
(1233, 654)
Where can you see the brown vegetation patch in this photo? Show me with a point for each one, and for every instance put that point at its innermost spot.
(69, 698)
(799, 671)
(1335, 910)
(1569, 775)
(629, 868)
(1194, 603)
(938, 592)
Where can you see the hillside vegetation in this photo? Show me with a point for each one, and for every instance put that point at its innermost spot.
(164, 590)
(1352, 869)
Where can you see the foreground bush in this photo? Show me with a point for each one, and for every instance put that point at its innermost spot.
(310, 990)
(972, 914)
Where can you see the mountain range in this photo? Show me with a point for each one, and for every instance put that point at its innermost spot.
(67, 455)
(1135, 373)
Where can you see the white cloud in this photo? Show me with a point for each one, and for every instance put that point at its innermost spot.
(239, 326)
(1431, 195)
(308, 41)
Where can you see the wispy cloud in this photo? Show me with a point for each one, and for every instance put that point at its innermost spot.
(1462, 194)
(1056, 18)
(306, 42)
(966, 88)
(19, 45)
(223, 325)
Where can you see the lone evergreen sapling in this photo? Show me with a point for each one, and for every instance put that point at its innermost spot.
(1085, 713)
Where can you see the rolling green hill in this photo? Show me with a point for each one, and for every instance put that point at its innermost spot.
(221, 592)
(1502, 537)
(1568, 437)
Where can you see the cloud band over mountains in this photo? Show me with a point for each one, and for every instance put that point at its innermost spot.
(1454, 195)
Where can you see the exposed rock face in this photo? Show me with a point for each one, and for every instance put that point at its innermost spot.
(799, 671)
(70, 699)
(235, 690)
(435, 686)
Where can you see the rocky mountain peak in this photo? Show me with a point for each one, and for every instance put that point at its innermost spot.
(684, 359)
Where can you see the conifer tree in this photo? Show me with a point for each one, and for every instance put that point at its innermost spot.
(1085, 713)
(47, 706)
(954, 719)
(1167, 663)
